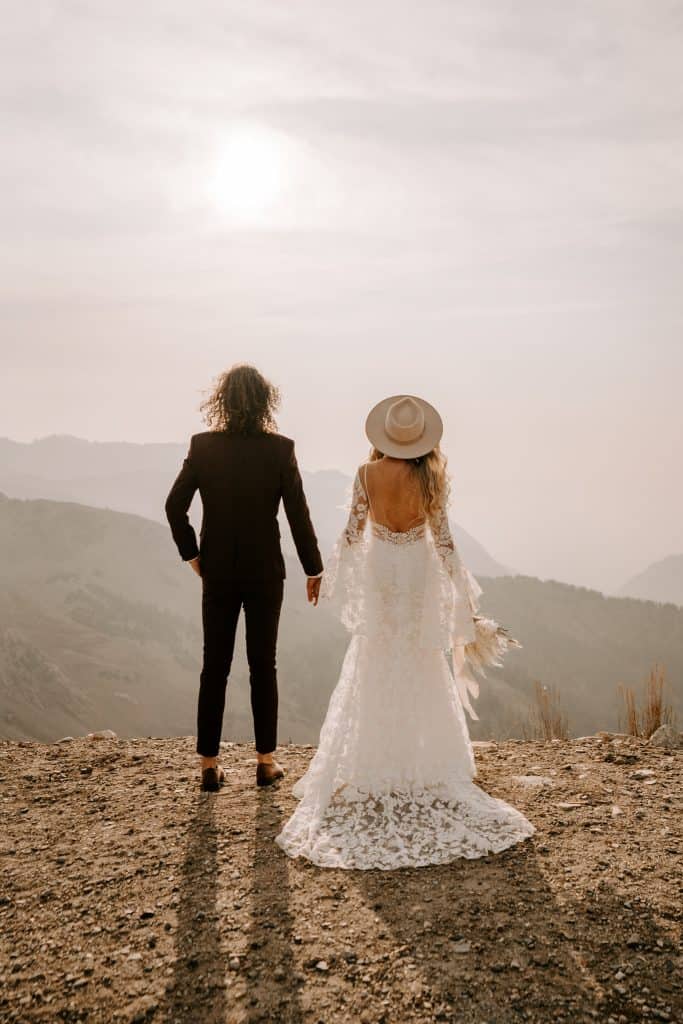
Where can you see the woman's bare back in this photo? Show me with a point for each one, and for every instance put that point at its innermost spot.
(394, 494)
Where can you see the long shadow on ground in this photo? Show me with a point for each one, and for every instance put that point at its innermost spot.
(487, 940)
(197, 989)
(273, 983)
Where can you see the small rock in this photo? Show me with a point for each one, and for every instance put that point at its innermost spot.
(322, 965)
(279, 974)
(140, 1010)
(633, 939)
(666, 736)
(463, 946)
(642, 773)
(234, 963)
(533, 781)
(66, 739)
(102, 734)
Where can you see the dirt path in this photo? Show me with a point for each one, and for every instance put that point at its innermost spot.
(127, 895)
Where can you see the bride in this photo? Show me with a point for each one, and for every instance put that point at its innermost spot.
(390, 784)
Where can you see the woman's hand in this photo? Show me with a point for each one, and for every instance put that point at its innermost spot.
(194, 563)
(313, 589)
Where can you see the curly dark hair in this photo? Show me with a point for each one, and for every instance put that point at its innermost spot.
(242, 402)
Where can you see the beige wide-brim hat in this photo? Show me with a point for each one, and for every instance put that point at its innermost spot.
(404, 426)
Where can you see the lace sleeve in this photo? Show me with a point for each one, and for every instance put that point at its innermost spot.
(358, 513)
(342, 580)
(476, 642)
(462, 578)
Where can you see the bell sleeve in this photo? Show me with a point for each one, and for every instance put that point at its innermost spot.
(343, 579)
(476, 642)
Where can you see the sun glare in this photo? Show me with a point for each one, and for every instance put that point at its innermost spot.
(249, 174)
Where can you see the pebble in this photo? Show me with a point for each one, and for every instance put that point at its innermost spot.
(111, 874)
(666, 736)
(532, 781)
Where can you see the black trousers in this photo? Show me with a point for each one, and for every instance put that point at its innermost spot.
(221, 605)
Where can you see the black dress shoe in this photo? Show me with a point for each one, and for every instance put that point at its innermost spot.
(212, 779)
(267, 774)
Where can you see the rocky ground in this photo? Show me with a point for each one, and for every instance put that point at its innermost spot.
(127, 895)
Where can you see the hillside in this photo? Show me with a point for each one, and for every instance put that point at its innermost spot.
(98, 603)
(584, 644)
(662, 581)
(136, 478)
(100, 627)
(131, 897)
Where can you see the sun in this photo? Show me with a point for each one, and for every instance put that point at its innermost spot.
(249, 174)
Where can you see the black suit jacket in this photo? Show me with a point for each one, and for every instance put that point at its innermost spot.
(241, 481)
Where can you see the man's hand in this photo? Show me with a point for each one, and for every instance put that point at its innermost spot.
(194, 564)
(313, 589)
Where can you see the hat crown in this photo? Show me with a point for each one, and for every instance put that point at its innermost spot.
(404, 421)
(403, 427)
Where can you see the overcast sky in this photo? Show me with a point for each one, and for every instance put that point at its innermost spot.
(475, 201)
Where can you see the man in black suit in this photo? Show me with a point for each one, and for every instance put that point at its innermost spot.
(242, 468)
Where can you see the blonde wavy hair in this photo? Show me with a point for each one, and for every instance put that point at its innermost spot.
(431, 472)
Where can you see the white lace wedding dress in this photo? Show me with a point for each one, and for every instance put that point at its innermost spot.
(390, 784)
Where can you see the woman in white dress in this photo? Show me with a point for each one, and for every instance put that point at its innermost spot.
(390, 784)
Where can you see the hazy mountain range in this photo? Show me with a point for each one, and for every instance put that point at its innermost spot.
(100, 628)
(137, 477)
(661, 581)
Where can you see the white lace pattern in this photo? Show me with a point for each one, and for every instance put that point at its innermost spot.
(390, 784)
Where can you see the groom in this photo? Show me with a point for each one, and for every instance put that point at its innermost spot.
(242, 468)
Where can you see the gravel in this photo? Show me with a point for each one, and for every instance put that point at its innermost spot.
(129, 896)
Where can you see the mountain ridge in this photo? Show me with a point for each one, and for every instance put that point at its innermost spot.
(101, 602)
(129, 477)
(661, 581)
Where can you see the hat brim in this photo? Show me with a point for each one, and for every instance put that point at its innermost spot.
(377, 435)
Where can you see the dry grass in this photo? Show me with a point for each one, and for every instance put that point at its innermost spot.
(643, 722)
(546, 720)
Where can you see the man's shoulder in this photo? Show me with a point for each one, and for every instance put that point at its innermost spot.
(284, 442)
(205, 438)
(267, 437)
